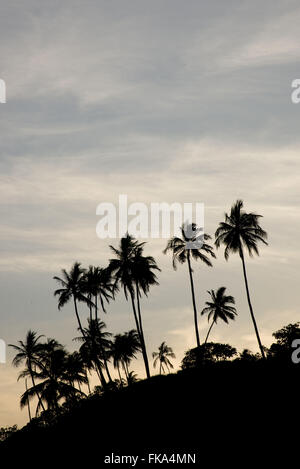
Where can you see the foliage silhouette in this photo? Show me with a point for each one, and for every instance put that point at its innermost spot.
(191, 245)
(162, 356)
(220, 307)
(133, 272)
(242, 231)
(72, 287)
(123, 349)
(28, 351)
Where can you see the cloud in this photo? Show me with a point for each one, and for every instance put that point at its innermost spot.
(163, 102)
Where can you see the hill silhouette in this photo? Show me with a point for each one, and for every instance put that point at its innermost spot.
(226, 413)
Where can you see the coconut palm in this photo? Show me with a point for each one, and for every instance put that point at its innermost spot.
(242, 231)
(72, 286)
(28, 351)
(96, 344)
(96, 281)
(123, 349)
(162, 356)
(75, 365)
(144, 277)
(190, 246)
(132, 378)
(124, 267)
(55, 378)
(220, 307)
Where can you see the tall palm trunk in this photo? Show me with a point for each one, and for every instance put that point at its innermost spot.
(28, 404)
(101, 347)
(125, 371)
(100, 373)
(90, 307)
(120, 377)
(105, 363)
(250, 305)
(194, 301)
(140, 334)
(88, 382)
(102, 303)
(209, 331)
(77, 316)
(33, 384)
(96, 308)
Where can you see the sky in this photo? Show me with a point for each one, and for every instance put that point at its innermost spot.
(165, 101)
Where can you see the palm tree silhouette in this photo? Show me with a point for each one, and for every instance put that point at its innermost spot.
(72, 286)
(96, 281)
(132, 378)
(239, 231)
(220, 307)
(143, 277)
(163, 354)
(191, 245)
(123, 349)
(96, 345)
(55, 377)
(28, 352)
(132, 271)
(75, 365)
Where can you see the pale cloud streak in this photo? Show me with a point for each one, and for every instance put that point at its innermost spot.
(163, 102)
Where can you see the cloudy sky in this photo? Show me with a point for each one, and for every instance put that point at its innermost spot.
(176, 101)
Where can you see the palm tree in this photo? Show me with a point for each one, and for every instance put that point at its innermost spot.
(124, 349)
(219, 308)
(163, 354)
(55, 378)
(28, 352)
(72, 286)
(241, 231)
(191, 245)
(126, 267)
(96, 344)
(96, 281)
(144, 277)
(132, 378)
(74, 365)
(105, 287)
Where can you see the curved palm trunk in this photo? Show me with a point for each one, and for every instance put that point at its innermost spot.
(120, 377)
(194, 301)
(209, 331)
(90, 306)
(33, 384)
(101, 347)
(96, 308)
(105, 363)
(250, 306)
(77, 316)
(88, 382)
(102, 303)
(125, 371)
(140, 335)
(100, 373)
(28, 404)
